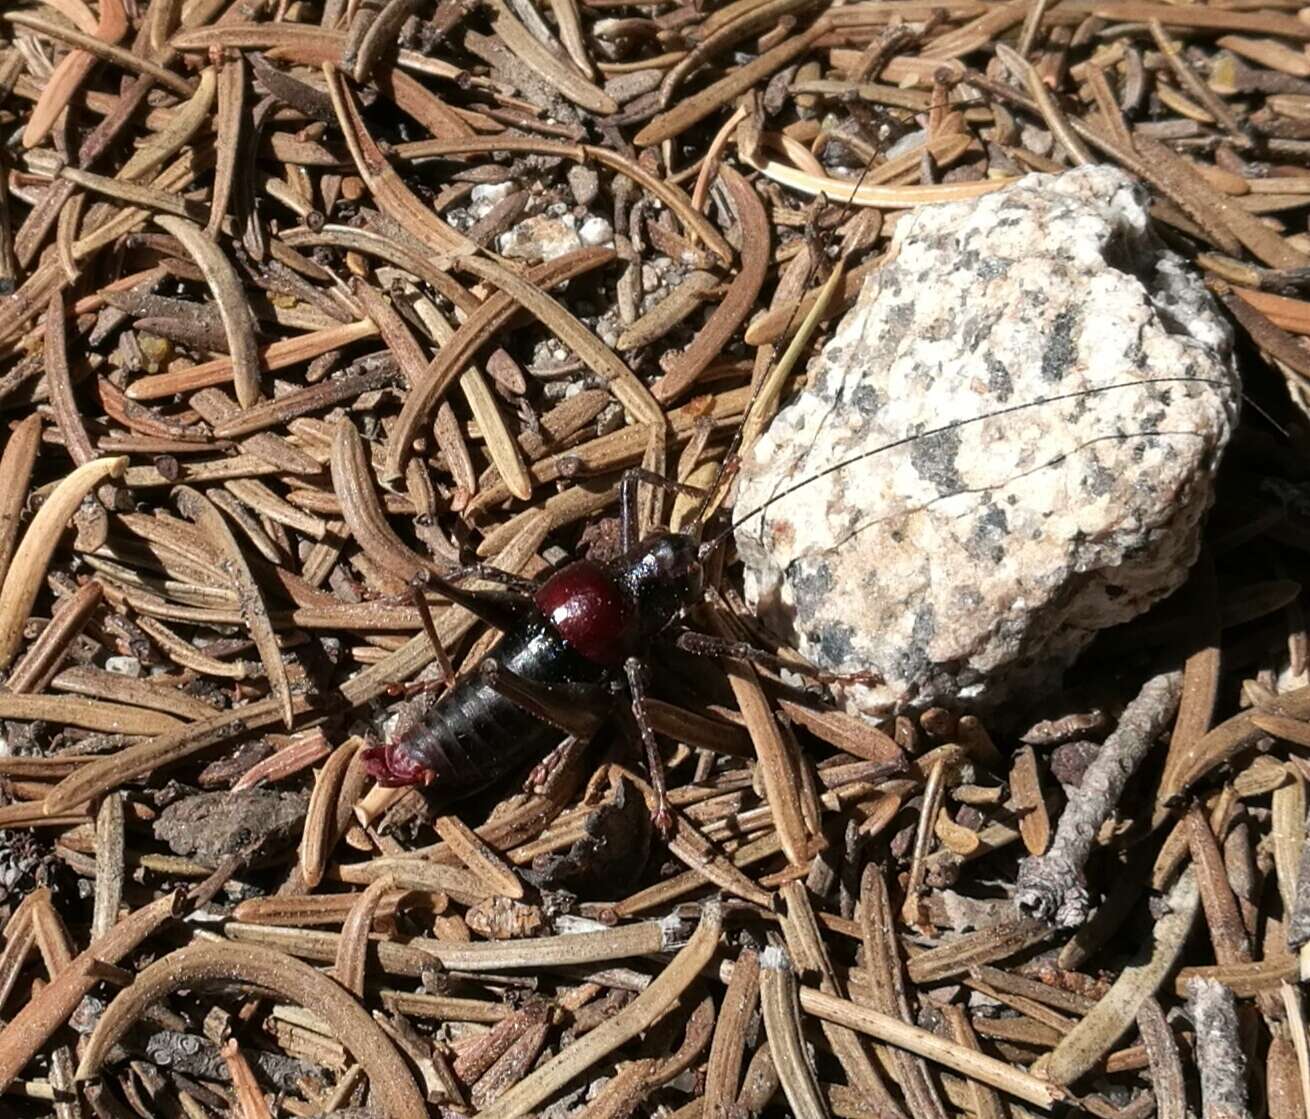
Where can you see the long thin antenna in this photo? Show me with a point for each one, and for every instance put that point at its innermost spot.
(702, 510)
(708, 547)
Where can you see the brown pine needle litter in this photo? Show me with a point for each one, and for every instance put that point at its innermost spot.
(302, 300)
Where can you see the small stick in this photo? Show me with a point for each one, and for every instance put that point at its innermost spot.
(986, 1103)
(475, 854)
(1031, 27)
(33, 1026)
(1088, 1042)
(723, 1071)
(805, 945)
(1218, 1050)
(1298, 925)
(1296, 1025)
(1024, 70)
(206, 964)
(352, 948)
(250, 1102)
(1167, 1077)
(781, 1008)
(47, 652)
(882, 962)
(934, 793)
(1213, 105)
(968, 1062)
(26, 573)
(637, 1016)
(16, 468)
(8, 261)
(1052, 887)
(110, 865)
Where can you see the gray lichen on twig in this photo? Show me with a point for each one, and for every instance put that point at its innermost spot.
(1218, 1050)
(1051, 886)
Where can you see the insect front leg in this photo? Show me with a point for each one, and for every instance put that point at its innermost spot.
(629, 485)
(638, 674)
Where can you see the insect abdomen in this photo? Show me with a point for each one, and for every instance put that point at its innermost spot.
(476, 736)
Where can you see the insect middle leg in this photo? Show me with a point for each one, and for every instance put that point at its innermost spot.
(575, 709)
(637, 672)
(707, 645)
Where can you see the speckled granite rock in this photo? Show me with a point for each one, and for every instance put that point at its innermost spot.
(983, 556)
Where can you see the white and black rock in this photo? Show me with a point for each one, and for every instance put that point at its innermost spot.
(1056, 389)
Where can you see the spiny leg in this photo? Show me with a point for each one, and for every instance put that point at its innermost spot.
(629, 529)
(500, 609)
(570, 708)
(707, 645)
(414, 597)
(543, 769)
(637, 672)
(497, 608)
(490, 574)
(430, 628)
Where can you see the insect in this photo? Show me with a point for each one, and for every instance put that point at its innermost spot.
(571, 644)
(577, 640)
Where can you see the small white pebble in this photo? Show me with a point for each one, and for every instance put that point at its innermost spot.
(490, 192)
(584, 183)
(596, 231)
(123, 666)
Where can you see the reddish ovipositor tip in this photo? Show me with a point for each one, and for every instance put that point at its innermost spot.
(393, 768)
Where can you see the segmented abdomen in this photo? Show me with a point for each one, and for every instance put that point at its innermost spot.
(475, 736)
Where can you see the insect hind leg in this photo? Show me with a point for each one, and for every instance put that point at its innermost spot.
(571, 708)
(501, 609)
(486, 572)
(415, 597)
